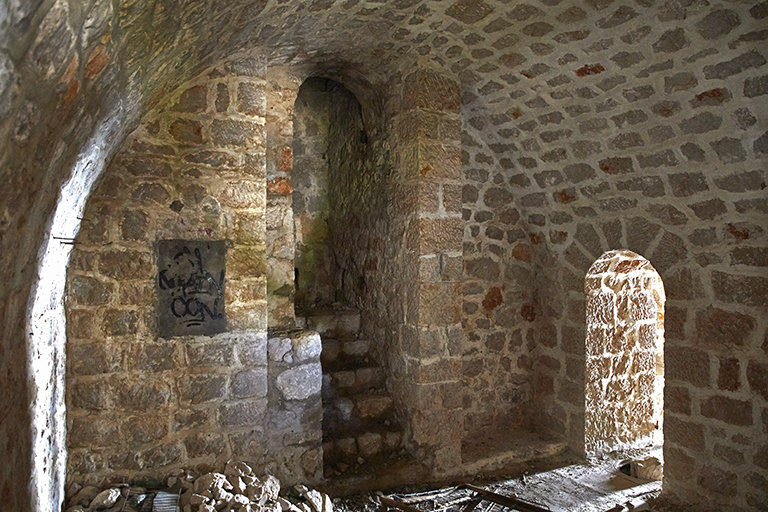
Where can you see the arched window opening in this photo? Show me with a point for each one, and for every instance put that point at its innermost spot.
(624, 354)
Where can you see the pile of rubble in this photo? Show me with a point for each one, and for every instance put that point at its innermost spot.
(236, 490)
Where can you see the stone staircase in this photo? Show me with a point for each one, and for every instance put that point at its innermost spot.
(360, 429)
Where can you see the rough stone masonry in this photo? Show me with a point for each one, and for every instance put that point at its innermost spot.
(494, 152)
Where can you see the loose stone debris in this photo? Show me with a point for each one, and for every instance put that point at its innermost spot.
(238, 489)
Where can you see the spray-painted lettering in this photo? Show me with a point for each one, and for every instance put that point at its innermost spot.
(190, 283)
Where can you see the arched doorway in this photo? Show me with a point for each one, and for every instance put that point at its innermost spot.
(333, 161)
(624, 353)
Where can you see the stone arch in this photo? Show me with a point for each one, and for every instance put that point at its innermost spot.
(46, 320)
(287, 183)
(624, 353)
(562, 396)
(334, 148)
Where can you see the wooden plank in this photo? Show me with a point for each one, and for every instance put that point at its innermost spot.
(507, 501)
(397, 504)
(470, 506)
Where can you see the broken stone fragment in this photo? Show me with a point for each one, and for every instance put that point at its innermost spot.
(73, 488)
(185, 498)
(222, 495)
(84, 496)
(327, 503)
(238, 485)
(254, 492)
(211, 481)
(203, 483)
(315, 500)
(272, 487)
(119, 505)
(318, 502)
(105, 499)
(304, 507)
(191, 475)
(647, 469)
(265, 490)
(239, 499)
(237, 469)
(239, 491)
(197, 500)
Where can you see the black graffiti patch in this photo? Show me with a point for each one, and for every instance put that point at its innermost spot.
(190, 287)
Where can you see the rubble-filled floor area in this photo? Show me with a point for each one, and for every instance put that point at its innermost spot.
(620, 482)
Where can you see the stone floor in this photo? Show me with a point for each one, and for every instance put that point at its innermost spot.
(592, 487)
(494, 457)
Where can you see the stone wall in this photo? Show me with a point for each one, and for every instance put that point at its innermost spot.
(625, 337)
(358, 162)
(637, 127)
(650, 186)
(427, 355)
(138, 403)
(196, 402)
(499, 292)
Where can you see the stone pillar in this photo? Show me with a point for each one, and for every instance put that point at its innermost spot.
(429, 133)
(294, 420)
(282, 89)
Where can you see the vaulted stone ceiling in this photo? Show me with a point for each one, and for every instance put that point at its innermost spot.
(518, 61)
(519, 57)
(522, 58)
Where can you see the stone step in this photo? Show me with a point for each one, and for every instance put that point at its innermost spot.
(348, 416)
(353, 381)
(345, 354)
(338, 322)
(352, 449)
(359, 419)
